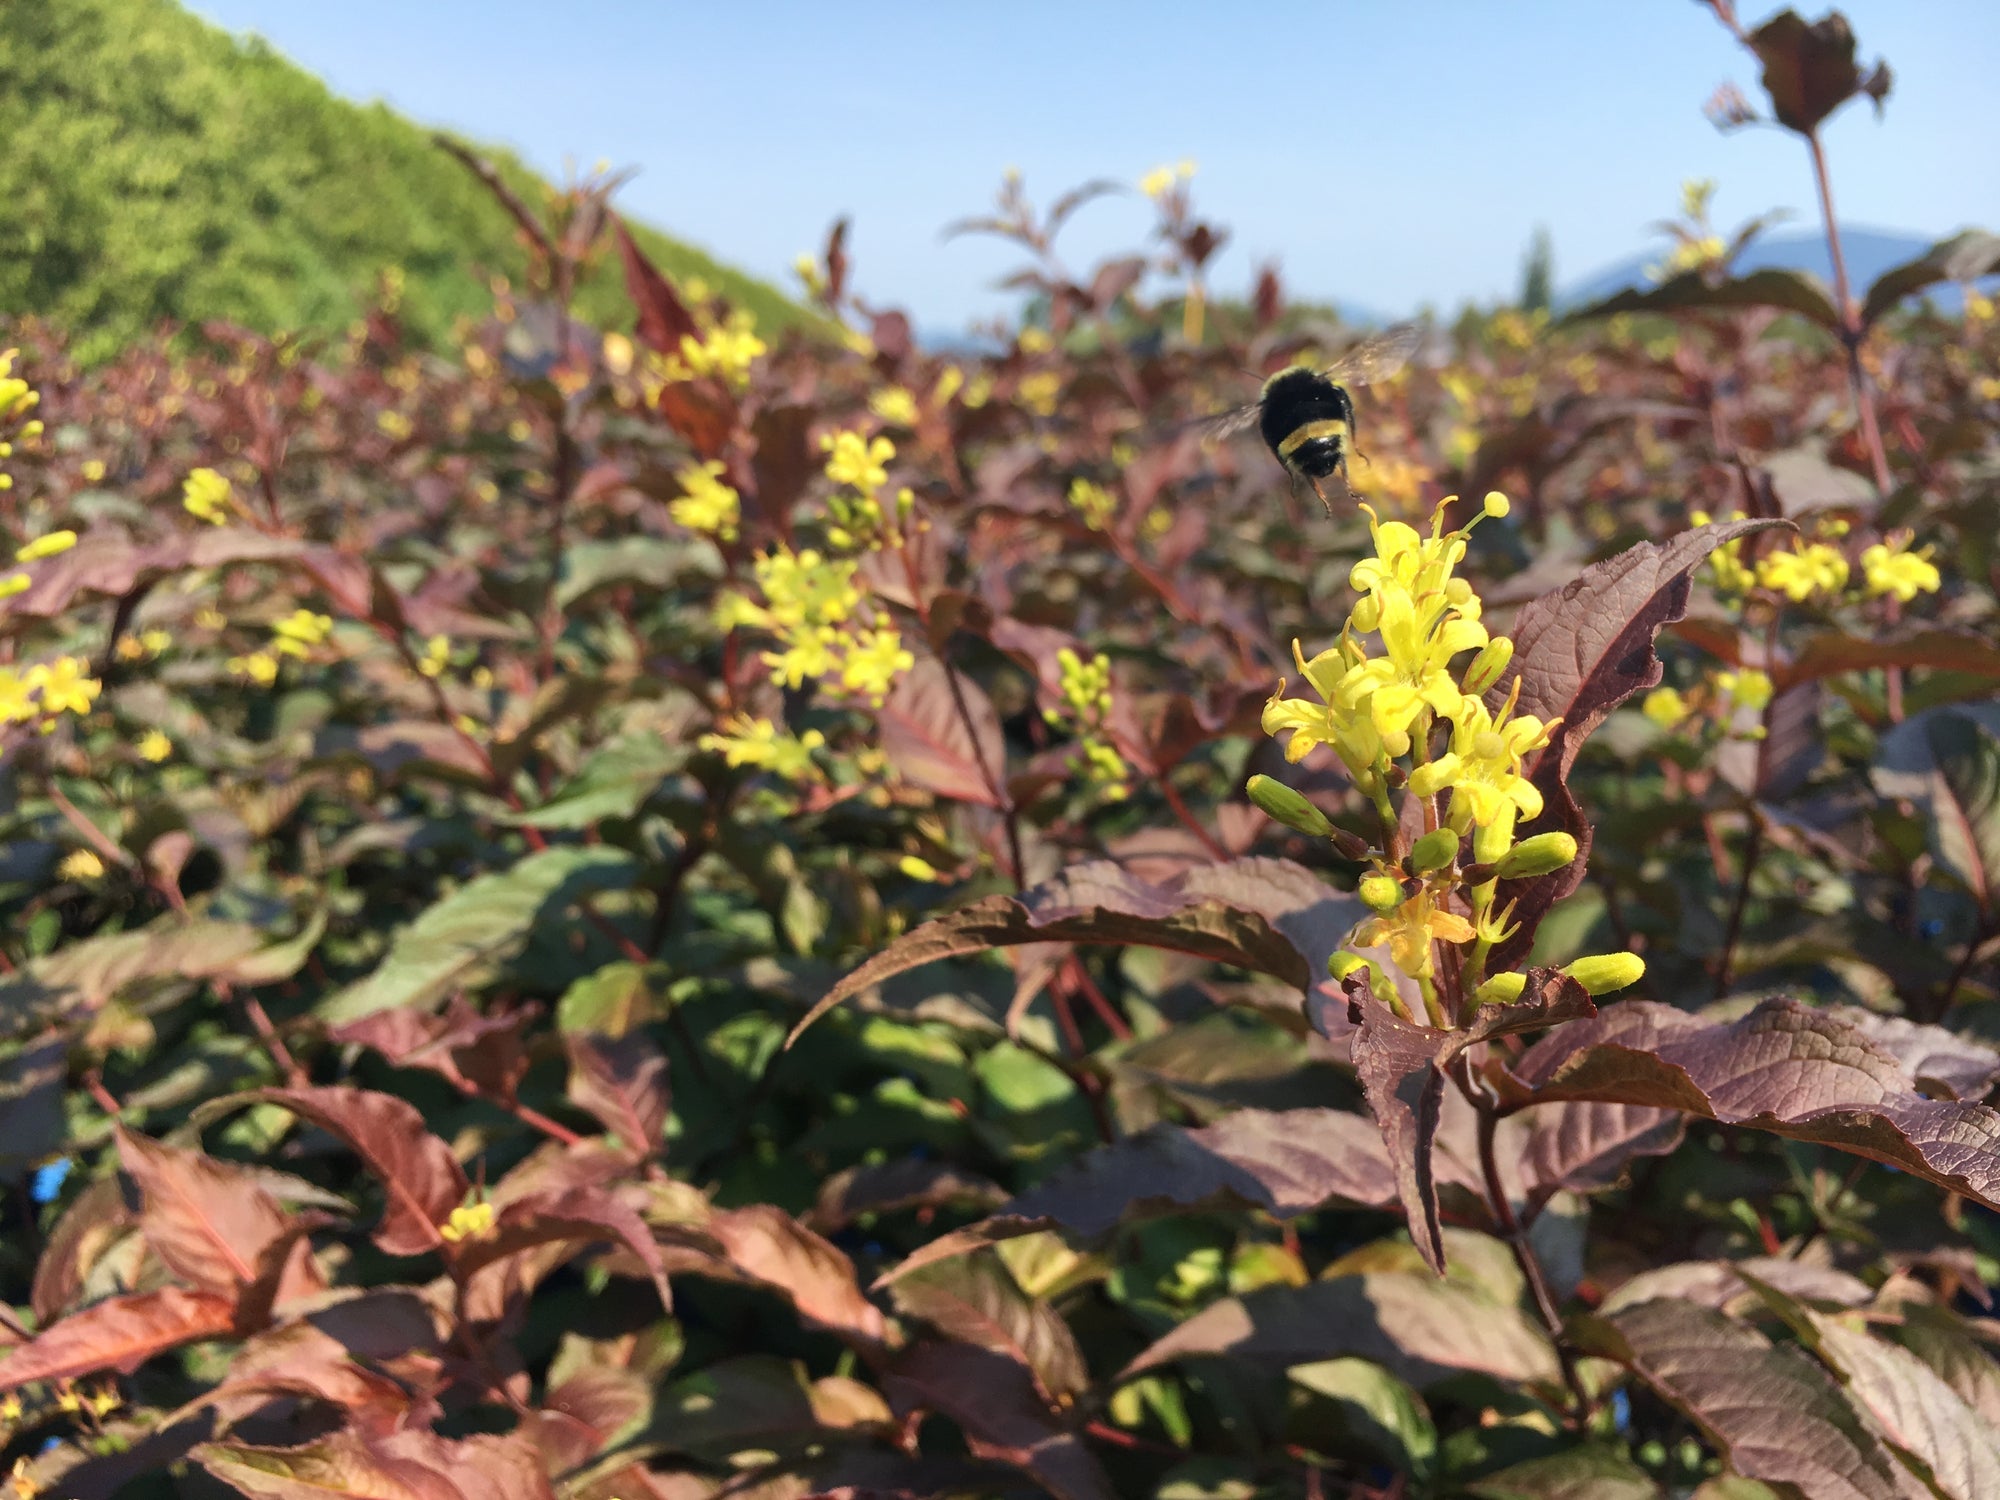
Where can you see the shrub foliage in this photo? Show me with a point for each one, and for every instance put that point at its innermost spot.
(661, 916)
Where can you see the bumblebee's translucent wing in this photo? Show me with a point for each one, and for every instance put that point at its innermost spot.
(1228, 424)
(1375, 358)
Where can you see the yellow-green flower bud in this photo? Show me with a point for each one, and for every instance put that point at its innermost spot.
(1381, 892)
(1495, 504)
(1487, 666)
(1288, 806)
(1434, 851)
(1543, 854)
(1341, 963)
(1601, 973)
(1501, 989)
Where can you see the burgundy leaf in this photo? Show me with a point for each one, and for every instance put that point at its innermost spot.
(907, 1182)
(993, 1400)
(764, 1245)
(927, 739)
(1719, 1283)
(975, 1300)
(663, 318)
(1809, 67)
(119, 1333)
(421, 1179)
(207, 1221)
(1919, 1413)
(114, 565)
(1269, 915)
(1579, 653)
(300, 1360)
(1938, 1061)
(1784, 1067)
(1402, 1068)
(578, 1215)
(342, 1463)
(1582, 1147)
(478, 1052)
(622, 1081)
(1420, 1328)
(87, 1228)
(1772, 1412)
(1831, 654)
(1284, 1163)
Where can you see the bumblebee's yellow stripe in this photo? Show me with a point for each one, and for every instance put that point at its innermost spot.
(1306, 432)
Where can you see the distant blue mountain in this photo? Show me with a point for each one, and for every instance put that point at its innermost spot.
(1869, 252)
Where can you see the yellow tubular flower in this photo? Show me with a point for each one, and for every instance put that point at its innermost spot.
(154, 746)
(1488, 753)
(1891, 569)
(17, 697)
(857, 461)
(1665, 707)
(46, 546)
(207, 496)
(873, 663)
(707, 504)
(1410, 929)
(1814, 568)
(64, 686)
(757, 742)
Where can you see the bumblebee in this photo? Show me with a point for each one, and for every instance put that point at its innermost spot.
(1306, 416)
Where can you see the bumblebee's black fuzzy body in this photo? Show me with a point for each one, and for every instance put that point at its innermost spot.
(1307, 421)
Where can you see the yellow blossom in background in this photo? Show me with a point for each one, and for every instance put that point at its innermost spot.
(1748, 688)
(1891, 568)
(1390, 482)
(707, 504)
(17, 697)
(726, 352)
(873, 662)
(746, 741)
(950, 381)
(154, 746)
(1038, 392)
(80, 864)
(1093, 502)
(436, 657)
(207, 496)
(15, 583)
(857, 460)
(65, 686)
(1665, 707)
(894, 405)
(1034, 340)
(1156, 183)
(978, 393)
(467, 1222)
(1086, 701)
(46, 546)
(917, 868)
(1813, 568)
(300, 631)
(261, 667)
(394, 425)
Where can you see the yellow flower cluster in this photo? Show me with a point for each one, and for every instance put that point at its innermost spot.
(467, 1222)
(207, 496)
(895, 405)
(707, 504)
(1086, 702)
(859, 522)
(1160, 181)
(1820, 568)
(1394, 484)
(299, 632)
(1407, 712)
(747, 741)
(1038, 392)
(812, 605)
(725, 351)
(1093, 502)
(436, 657)
(47, 690)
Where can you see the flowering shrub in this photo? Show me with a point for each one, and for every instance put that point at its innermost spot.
(693, 915)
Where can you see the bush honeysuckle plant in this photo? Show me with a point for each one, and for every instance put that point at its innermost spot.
(678, 911)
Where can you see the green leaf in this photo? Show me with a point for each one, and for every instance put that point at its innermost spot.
(1589, 1473)
(653, 563)
(1965, 830)
(614, 783)
(1370, 1407)
(611, 1002)
(465, 936)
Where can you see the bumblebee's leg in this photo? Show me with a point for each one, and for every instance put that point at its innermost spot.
(1322, 496)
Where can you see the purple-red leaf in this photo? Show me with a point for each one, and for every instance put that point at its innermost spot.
(119, 1333)
(1419, 1328)
(927, 740)
(976, 1300)
(1268, 915)
(992, 1399)
(421, 1179)
(1579, 653)
(664, 319)
(622, 1081)
(581, 1215)
(1773, 1413)
(1402, 1068)
(1785, 1068)
(1283, 1163)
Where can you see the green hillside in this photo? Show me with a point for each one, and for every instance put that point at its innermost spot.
(153, 166)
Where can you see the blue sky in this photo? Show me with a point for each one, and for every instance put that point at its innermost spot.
(1388, 155)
